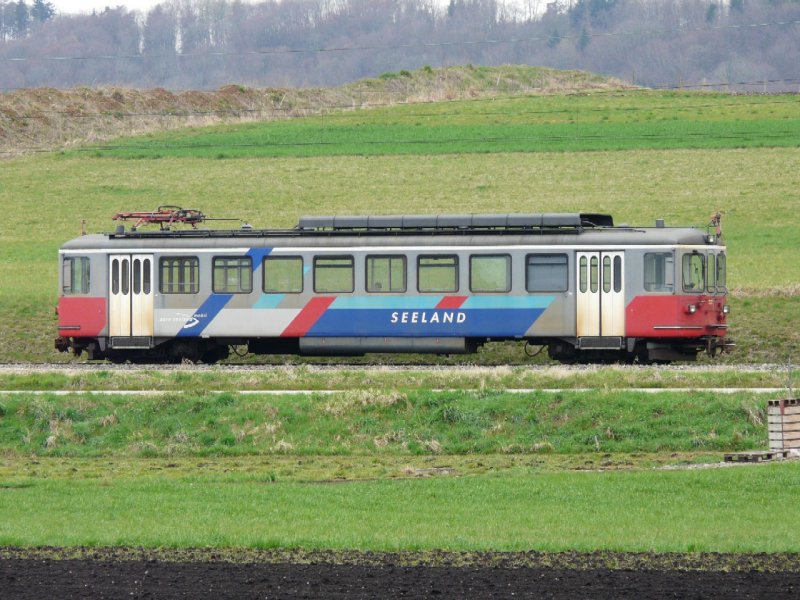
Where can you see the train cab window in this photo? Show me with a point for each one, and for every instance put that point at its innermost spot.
(232, 275)
(490, 273)
(549, 273)
(75, 275)
(711, 278)
(179, 275)
(694, 273)
(386, 274)
(659, 272)
(283, 274)
(333, 274)
(721, 273)
(437, 274)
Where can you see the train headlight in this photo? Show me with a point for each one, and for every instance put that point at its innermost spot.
(691, 309)
(726, 309)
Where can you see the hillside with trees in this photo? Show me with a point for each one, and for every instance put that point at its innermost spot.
(205, 44)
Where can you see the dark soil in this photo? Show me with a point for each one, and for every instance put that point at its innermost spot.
(115, 573)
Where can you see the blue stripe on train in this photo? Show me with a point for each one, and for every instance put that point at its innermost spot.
(426, 322)
(212, 305)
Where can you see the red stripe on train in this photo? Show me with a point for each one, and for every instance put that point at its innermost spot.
(451, 302)
(310, 314)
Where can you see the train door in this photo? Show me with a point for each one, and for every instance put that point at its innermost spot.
(600, 295)
(130, 295)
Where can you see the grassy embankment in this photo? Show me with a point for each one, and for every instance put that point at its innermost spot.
(383, 422)
(684, 156)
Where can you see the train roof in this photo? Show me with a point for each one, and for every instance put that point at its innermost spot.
(578, 229)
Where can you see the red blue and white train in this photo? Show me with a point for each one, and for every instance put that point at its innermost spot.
(588, 290)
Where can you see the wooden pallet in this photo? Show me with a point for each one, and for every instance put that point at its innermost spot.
(761, 456)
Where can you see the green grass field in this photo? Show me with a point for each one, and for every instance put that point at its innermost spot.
(708, 510)
(630, 120)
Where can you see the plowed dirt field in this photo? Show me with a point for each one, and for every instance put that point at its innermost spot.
(105, 573)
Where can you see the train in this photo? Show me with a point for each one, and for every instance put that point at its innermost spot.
(576, 284)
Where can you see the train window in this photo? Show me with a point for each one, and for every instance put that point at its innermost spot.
(146, 276)
(115, 276)
(549, 273)
(333, 274)
(694, 272)
(386, 274)
(125, 276)
(283, 274)
(232, 275)
(137, 276)
(721, 272)
(75, 275)
(711, 279)
(617, 274)
(584, 280)
(658, 271)
(179, 275)
(593, 273)
(606, 273)
(490, 273)
(437, 274)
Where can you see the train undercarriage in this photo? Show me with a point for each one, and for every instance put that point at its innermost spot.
(601, 350)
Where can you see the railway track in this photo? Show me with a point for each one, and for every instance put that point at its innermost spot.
(322, 367)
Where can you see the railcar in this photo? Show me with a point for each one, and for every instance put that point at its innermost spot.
(577, 284)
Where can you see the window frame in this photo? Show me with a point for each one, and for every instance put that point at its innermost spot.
(690, 255)
(68, 272)
(661, 260)
(194, 269)
(529, 280)
(390, 257)
(454, 266)
(285, 258)
(724, 270)
(508, 285)
(323, 257)
(243, 260)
